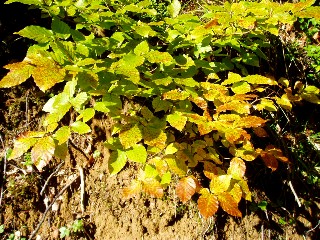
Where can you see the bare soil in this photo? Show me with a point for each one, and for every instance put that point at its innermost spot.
(106, 214)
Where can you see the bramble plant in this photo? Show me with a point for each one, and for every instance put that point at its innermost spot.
(175, 86)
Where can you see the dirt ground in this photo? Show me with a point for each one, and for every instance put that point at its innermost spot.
(102, 208)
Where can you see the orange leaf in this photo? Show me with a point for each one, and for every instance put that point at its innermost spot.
(186, 188)
(229, 204)
(152, 187)
(250, 122)
(134, 188)
(208, 205)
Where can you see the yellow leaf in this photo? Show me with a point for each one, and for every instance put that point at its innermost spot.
(19, 73)
(177, 121)
(236, 192)
(42, 152)
(130, 135)
(220, 183)
(284, 102)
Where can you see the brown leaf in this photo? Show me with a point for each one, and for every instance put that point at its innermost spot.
(260, 132)
(186, 188)
(229, 204)
(269, 160)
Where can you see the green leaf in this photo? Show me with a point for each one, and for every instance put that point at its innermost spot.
(177, 121)
(241, 88)
(232, 78)
(171, 148)
(117, 161)
(62, 134)
(19, 73)
(266, 104)
(142, 48)
(42, 152)
(166, 178)
(160, 105)
(39, 34)
(29, 2)
(160, 57)
(79, 100)
(80, 127)
(174, 8)
(130, 135)
(86, 114)
(60, 28)
(137, 154)
(258, 79)
(189, 82)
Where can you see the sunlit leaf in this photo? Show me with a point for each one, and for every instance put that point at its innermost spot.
(62, 135)
(237, 168)
(266, 104)
(37, 33)
(208, 204)
(80, 127)
(137, 154)
(130, 135)
(142, 48)
(186, 188)
(219, 184)
(250, 122)
(159, 57)
(171, 148)
(258, 79)
(46, 73)
(174, 8)
(42, 152)
(236, 192)
(177, 120)
(19, 73)
(132, 190)
(21, 146)
(176, 95)
(232, 78)
(177, 166)
(284, 102)
(117, 161)
(229, 204)
(241, 88)
(166, 179)
(152, 187)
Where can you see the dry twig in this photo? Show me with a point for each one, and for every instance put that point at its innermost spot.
(49, 206)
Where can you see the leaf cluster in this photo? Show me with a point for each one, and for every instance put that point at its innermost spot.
(176, 86)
